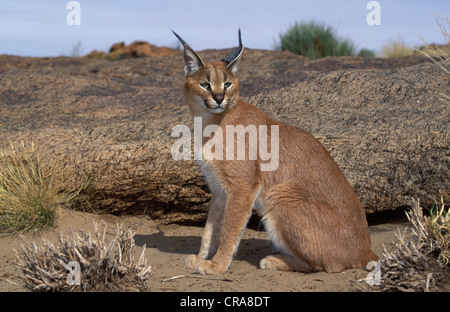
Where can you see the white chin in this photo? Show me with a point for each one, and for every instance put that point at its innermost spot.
(217, 110)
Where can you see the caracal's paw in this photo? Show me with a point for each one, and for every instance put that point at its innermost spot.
(284, 263)
(192, 261)
(269, 263)
(277, 262)
(209, 267)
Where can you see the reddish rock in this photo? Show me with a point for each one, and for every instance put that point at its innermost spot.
(116, 46)
(96, 54)
(136, 49)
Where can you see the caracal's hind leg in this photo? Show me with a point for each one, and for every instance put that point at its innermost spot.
(315, 231)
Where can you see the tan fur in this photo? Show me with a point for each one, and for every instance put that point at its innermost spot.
(311, 213)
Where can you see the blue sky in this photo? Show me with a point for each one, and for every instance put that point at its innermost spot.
(40, 28)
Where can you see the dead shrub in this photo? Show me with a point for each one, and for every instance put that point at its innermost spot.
(420, 259)
(84, 262)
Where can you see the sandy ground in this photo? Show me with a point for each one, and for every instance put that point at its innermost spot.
(167, 246)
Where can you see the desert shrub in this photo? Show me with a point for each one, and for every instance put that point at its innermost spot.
(366, 53)
(29, 192)
(102, 265)
(396, 49)
(314, 41)
(436, 233)
(420, 261)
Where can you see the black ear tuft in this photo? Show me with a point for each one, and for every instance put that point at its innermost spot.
(192, 62)
(236, 53)
(180, 39)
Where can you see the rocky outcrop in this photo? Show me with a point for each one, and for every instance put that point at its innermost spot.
(119, 51)
(384, 121)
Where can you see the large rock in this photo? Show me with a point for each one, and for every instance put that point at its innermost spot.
(120, 51)
(384, 121)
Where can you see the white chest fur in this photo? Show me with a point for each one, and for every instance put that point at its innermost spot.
(212, 179)
(216, 187)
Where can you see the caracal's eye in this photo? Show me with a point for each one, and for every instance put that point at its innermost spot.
(205, 85)
(226, 85)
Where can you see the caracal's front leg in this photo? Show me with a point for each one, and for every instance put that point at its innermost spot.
(236, 214)
(211, 234)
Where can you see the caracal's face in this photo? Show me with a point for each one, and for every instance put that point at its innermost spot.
(214, 87)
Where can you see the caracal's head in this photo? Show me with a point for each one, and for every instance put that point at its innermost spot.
(211, 87)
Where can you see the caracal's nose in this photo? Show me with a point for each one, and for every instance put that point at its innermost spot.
(218, 98)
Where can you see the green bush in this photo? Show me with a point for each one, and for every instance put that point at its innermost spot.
(314, 41)
(366, 53)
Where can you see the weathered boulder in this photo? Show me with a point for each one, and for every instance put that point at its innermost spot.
(384, 121)
(136, 49)
(95, 54)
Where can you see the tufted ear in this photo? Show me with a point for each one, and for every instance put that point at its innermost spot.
(233, 59)
(192, 62)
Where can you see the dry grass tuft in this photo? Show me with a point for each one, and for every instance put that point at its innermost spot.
(30, 193)
(103, 266)
(396, 49)
(28, 196)
(439, 54)
(434, 231)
